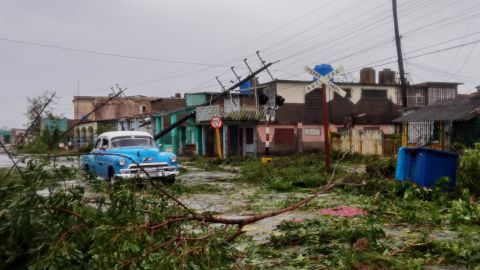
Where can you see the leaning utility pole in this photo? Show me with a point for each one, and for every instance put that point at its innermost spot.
(226, 91)
(403, 81)
(37, 118)
(85, 117)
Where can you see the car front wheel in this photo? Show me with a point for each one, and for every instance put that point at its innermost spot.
(169, 179)
(88, 172)
(111, 176)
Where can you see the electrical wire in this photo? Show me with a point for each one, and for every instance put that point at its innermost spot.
(107, 53)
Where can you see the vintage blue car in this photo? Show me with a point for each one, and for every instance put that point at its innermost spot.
(118, 155)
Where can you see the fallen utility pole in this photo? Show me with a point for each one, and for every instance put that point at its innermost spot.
(37, 117)
(85, 117)
(13, 161)
(193, 113)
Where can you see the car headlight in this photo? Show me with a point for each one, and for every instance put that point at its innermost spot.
(173, 159)
(121, 162)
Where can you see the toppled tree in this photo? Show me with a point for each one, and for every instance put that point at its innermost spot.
(117, 227)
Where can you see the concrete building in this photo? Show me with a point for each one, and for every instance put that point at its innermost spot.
(86, 132)
(114, 109)
(16, 135)
(5, 136)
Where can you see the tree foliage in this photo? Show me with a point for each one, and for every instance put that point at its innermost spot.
(123, 227)
(35, 108)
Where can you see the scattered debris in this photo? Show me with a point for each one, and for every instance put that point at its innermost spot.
(343, 211)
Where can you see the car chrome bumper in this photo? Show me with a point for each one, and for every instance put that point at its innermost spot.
(153, 173)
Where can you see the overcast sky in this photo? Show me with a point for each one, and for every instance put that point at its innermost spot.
(159, 48)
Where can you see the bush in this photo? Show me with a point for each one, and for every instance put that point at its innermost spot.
(382, 168)
(469, 170)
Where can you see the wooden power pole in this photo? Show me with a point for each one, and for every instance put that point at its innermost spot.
(403, 81)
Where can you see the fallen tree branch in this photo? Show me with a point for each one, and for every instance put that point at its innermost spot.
(407, 247)
(241, 222)
(66, 212)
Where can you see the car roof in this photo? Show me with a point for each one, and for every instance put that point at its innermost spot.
(112, 134)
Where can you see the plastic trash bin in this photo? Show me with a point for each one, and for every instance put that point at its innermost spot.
(406, 160)
(432, 165)
(424, 166)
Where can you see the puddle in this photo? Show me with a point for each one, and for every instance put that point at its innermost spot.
(445, 267)
(65, 185)
(211, 202)
(6, 162)
(445, 236)
(260, 231)
(195, 176)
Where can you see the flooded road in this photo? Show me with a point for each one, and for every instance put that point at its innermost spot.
(216, 192)
(220, 194)
(5, 162)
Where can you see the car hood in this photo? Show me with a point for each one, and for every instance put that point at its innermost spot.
(142, 154)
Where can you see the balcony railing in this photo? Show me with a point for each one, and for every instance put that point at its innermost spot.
(232, 113)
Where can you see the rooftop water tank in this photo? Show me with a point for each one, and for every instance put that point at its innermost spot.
(386, 76)
(367, 75)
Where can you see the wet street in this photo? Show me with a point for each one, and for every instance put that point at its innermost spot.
(216, 192)
(221, 193)
(5, 161)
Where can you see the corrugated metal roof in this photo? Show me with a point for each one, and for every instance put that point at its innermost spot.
(448, 110)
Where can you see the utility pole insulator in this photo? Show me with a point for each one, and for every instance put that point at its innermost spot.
(223, 87)
(263, 64)
(245, 60)
(233, 70)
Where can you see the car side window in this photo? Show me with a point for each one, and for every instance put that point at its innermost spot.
(104, 143)
(98, 144)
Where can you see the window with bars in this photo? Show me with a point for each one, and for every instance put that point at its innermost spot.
(313, 99)
(284, 136)
(415, 97)
(348, 95)
(436, 94)
(374, 93)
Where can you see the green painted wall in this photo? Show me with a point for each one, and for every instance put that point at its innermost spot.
(179, 135)
(60, 124)
(195, 99)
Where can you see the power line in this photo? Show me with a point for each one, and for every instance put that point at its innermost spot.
(107, 53)
(330, 42)
(180, 71)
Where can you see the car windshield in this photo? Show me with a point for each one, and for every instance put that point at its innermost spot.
(131, 141)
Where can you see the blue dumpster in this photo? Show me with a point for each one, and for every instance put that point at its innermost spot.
(405, 163)
(424, 166)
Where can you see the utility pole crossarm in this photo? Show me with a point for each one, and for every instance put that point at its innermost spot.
(193, 113)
